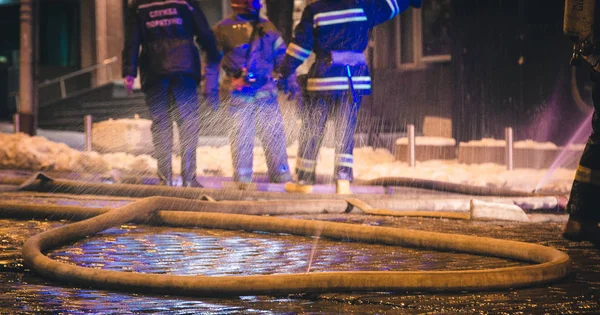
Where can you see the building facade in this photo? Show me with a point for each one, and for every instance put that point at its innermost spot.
(485, 64)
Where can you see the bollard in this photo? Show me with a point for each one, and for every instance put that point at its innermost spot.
(411, 145)
(508, 136)
(87, 128)
(16, 123)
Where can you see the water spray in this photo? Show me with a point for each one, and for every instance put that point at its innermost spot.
(411, 145)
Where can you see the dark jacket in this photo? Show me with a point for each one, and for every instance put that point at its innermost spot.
(165, 30)
(337, 32)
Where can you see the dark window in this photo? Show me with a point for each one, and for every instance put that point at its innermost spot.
(59, 33)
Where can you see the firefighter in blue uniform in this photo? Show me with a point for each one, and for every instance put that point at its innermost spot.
(170, 72)
(584, 201)
(252, 49)
(337, 32)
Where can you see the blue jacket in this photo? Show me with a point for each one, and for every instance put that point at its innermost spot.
(337, 32)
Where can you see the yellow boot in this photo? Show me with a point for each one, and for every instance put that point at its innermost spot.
(342, 187)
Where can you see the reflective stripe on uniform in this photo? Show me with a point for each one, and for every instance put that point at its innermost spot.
(278, 43)
(152, 4)
(338, 83)
(394, 6)
(346, 160)
(339, 17)
(265, 94)
(587, 175)
(306, 165)
(297, 52)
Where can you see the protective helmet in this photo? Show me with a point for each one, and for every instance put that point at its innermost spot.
(246, 6)
(416, 3)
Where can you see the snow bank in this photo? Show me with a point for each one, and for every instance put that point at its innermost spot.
(37, 153)
(20, 151)
(441, 141)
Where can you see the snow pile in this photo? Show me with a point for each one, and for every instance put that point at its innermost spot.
(436, 141)
(485, 142)
(20, 151)
(123, 135)
(524, 144)
(37, 153)
(530, 144)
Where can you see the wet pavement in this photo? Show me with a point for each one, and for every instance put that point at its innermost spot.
(166, 250)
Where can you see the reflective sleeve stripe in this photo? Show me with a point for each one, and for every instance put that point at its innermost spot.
(587, 175)
(278, 43)
(297, 52)
(152, 4)
(306, 165)
(394, 7)
(338, 17)
(338, 13)
(343, 20)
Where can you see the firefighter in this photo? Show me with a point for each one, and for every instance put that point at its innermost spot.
(337, 32)
(170, 72)
(252, 48)
(584, 201)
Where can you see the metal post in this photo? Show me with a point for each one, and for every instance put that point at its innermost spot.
(16, 123)
(508, 136)
(63, 89)
(26, 107)
(101, 7)
(411, 145)
(108, 71)
(87, 127)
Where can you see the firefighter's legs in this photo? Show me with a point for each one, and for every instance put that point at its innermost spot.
(314, 117)
(584, 202)
(269, 125)
(345, 125)
(157, 95)
(186, 97)
(241, 138)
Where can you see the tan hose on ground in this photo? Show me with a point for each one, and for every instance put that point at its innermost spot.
(263, 207)
(364, 207)
(550, 264)
(445, 186)
(43, 183)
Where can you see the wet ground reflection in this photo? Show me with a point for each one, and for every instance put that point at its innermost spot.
(214, 252)
(217, 252)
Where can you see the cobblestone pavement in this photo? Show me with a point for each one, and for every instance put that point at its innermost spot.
(213, 252)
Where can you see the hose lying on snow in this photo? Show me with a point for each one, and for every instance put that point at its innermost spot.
(476, 209)
(444, 186)
(264, 207)
(42, 183)
(550, 264)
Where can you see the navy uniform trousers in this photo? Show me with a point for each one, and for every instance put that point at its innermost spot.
(317, 108)
(174, 98)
